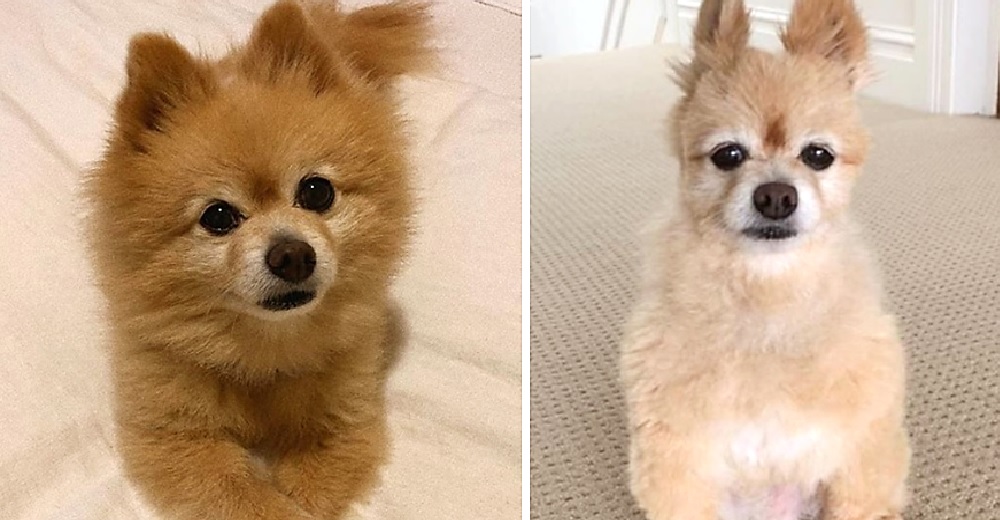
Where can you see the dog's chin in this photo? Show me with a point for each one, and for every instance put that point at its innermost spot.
(769, 251)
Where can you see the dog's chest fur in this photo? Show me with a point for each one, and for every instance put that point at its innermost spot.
(276, 413)
(768, 424)
(771, 469)
(769, 446)
(294, 411)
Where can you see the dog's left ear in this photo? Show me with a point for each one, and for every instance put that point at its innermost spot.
(831, 29)
(284, 44)
(721, 35)
(161, 79)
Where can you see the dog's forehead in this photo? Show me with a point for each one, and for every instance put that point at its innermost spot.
(771, 100)
(248, 154)
(780, 82)
(253, 173)
(264, 187)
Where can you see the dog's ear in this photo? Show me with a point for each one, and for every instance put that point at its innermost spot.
(284, 43)
(387, 40)
(721, 35)
(161, 77)
(831, 29)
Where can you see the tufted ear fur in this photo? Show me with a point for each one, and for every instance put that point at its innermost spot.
(387, 40)
(830, 29)
(328, 46)
(721, 35)
(161, 78)
(285, 42)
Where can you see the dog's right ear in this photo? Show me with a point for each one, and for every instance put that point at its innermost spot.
(721, 34)
(161, 76)
(387, 40)
(833, 30)
(285, 43)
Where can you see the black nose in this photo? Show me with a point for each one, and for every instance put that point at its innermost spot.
(775, 200)
(291, 260)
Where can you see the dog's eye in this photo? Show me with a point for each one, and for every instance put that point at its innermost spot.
(728, 157)
(315, 194)
(816, 157)
(220, 218)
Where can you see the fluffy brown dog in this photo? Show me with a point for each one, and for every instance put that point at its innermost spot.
(762, 376)
(248, 215)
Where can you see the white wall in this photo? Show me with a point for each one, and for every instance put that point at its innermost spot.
(932, 55)
(567, 26)
(560, 27)
(994, 46)
(975, 54)
(937, 55)
(884, 12)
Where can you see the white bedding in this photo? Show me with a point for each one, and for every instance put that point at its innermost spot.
(455, 395)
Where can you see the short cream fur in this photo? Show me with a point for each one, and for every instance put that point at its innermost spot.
(763, 378)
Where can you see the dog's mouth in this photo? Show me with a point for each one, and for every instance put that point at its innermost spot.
(769, 232)
(288, 301)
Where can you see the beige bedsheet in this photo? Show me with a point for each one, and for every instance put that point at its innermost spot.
(455, 396)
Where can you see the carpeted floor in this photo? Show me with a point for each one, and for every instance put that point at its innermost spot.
(929, 199)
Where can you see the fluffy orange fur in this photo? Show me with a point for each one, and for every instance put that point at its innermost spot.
(226, 410)
(763, 378)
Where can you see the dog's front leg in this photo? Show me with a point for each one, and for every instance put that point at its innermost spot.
(663, 480)
(198, 476)
(326, 479)
(872, 485)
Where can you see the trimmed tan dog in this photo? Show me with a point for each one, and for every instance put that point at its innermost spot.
(763, 378)
(248, 216)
